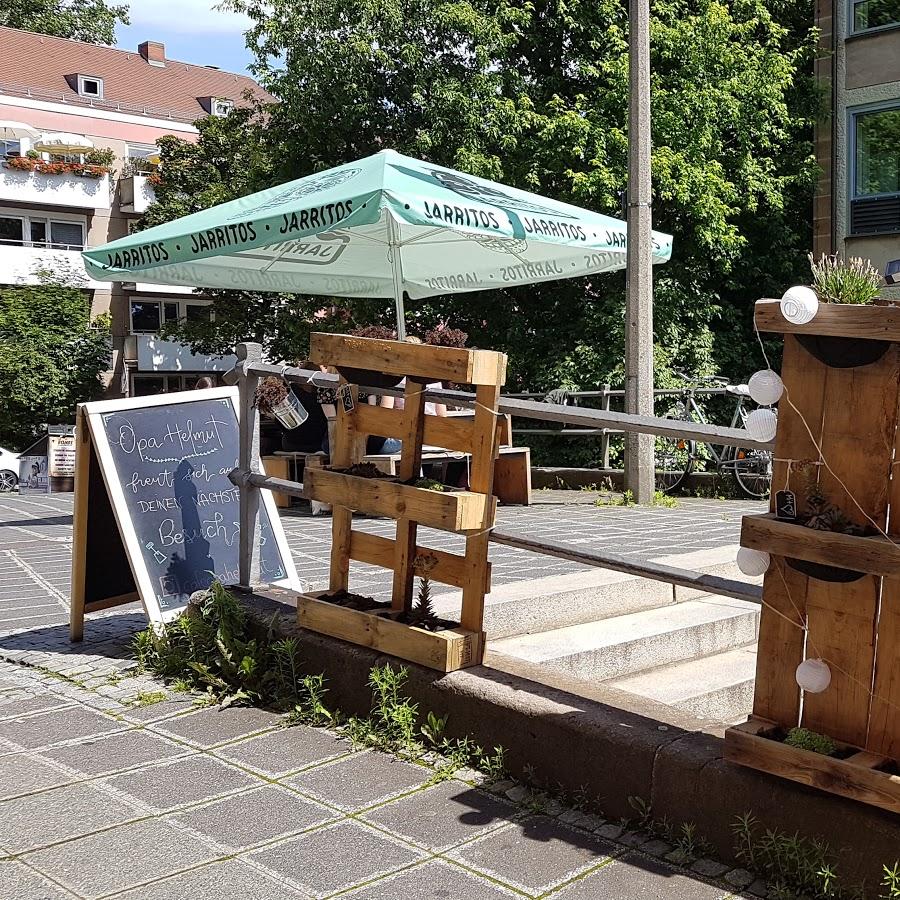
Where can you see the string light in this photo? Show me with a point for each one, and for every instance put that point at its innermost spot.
(799, 304)
(813, 675)
(766, 387)
(762, 424)
(753, 562)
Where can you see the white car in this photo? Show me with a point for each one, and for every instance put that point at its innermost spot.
(9, 469)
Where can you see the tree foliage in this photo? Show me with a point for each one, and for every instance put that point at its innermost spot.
(92, 21)
(51, 357)
(535, 94)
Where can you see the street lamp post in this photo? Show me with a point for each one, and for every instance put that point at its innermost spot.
(640, 470)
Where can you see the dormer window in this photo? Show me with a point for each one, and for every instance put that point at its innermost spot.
(90, 86)
(221, 107)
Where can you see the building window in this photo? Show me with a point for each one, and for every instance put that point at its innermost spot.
(145, 316)
(143, 159)
(221, 107)
(868, 14)
(12, 230)
(10, 148)
(36, 231)
(89, 86)
(877, 153)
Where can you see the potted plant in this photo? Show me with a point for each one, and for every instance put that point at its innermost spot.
(851, 282)
(820, 515)
(274, 398)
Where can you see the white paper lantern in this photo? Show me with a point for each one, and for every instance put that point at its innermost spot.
(799, 304)
(766, 387)
(753, 562)
(813, 675)
(761, 424)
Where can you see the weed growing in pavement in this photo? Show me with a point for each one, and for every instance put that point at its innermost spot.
(222, 649)
(792, 865)
(391, 726)
(149, 698)
(310, 708)
(626, 499)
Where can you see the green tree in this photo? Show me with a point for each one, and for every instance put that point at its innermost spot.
(52, 356)
(535, 94)
(82, 20)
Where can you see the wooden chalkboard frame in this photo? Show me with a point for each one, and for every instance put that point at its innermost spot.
(92, 444)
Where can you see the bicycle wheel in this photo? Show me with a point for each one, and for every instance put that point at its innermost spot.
(674, 462)
(753, 472)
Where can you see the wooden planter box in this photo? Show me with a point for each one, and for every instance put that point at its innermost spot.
(445, 651)
(457, 511)
(858, 776)
(872, 555)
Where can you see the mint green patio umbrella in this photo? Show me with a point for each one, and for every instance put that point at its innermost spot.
(379, 227)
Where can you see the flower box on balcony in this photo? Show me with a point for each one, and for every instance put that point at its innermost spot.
(75, 185)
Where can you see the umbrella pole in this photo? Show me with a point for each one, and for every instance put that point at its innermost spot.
(397, 272)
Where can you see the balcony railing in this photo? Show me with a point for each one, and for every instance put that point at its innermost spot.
(135, 193)
(154, 354)
(32, 264)
(67, 189)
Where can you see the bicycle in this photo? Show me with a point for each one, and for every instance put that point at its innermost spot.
(676, 457)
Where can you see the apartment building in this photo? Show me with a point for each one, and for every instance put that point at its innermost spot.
(857, 205)
(73, 98)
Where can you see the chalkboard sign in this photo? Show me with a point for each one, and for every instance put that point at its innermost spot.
(164, 462)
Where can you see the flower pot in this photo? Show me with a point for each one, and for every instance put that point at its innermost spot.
(823, 572)
(290, 412)
(843, 352)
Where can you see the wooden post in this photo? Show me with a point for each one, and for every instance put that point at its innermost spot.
(410, 466)
(79, 517)
(248, 461)
(481, 480)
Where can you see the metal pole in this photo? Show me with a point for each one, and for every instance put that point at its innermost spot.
(640, 474)
(397, 272)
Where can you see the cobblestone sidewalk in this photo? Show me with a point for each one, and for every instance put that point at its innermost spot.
(145, 797)
(112, 786)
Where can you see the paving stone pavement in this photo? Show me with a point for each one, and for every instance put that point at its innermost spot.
(113, 786)
(167, 800)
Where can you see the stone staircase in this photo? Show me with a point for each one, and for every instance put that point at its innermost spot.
(680, 647)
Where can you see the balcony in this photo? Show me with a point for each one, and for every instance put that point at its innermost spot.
(64, 190)
(153, 354)
(28, 265)
(136, 194)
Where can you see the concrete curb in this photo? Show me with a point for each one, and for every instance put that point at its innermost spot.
(612, 746)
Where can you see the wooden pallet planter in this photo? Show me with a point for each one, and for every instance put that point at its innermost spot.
(445, 650)
(859, 775)
(470, 513)
(848, 398)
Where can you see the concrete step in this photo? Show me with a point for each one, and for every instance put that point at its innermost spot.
(589, 595)
(625, 645)
(717, 687)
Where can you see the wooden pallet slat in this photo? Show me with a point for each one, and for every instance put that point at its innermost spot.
(476, 367)
(854, 777)
(880, 323)
(456, 511)
(874, 555)
(445, 651)
(450, 568)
